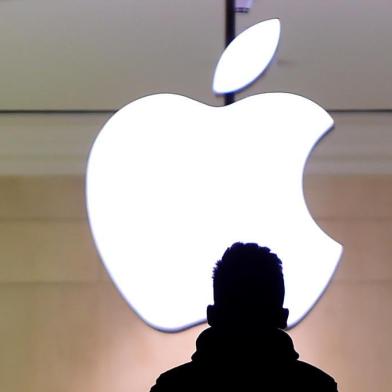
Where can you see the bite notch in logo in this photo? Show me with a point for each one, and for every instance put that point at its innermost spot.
(171, 183)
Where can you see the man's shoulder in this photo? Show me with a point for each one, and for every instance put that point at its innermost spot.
(175, 378)
(315, 376)
(190, 376)
(184, 370)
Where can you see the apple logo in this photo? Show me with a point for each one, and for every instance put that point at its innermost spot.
(171, 183)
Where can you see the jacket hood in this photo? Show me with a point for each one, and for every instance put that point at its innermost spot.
(216, 346)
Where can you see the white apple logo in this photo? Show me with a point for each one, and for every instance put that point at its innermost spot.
(171, 183)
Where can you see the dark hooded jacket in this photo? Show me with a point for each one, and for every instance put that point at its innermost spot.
(242, 362)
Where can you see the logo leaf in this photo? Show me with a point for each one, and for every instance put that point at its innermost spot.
(247, 56)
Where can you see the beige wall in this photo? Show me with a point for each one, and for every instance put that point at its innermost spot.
(64, 327)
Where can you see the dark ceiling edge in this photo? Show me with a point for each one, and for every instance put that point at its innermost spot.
(112, 111)
(58, 111)
(359, 110)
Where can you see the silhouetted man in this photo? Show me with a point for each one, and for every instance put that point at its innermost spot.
(245, 348)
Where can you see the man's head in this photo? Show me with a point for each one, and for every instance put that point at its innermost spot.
(248, 289)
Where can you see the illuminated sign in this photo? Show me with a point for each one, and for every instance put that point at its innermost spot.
(171, 183)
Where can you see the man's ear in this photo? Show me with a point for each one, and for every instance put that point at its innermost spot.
(211, 315)
(284, 315)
